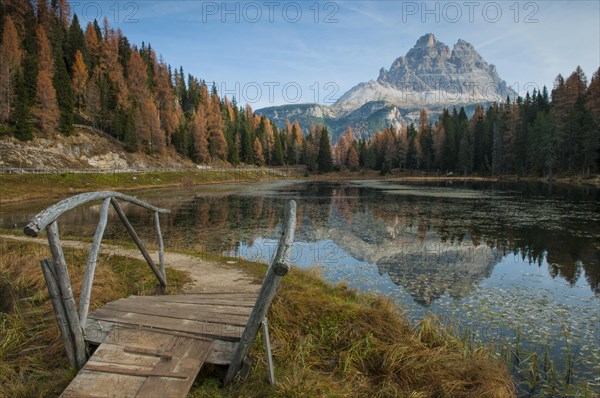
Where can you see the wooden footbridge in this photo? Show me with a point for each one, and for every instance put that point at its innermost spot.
(152, 346)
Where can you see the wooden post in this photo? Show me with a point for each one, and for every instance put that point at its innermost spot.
(279, 267)
(161, 246)
(269, 357)
(59, 310)
(66, 292)
(161, 279)
(90, 268)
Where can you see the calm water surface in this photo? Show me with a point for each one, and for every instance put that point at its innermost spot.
(504, 261)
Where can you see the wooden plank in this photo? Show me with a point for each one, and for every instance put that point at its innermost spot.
(203, 296)
(71, 394)
(113, 372)
(90, 268)
(97, 332)
(50, 214)
(209, 329)
(164, 310)
(185, 308)
(216, 294)
(190, 356)
(193, 299)
(148, 352)
(279, 267)
(196, 307)
(135, 338)
(103, 385)
(113, 353)
(130, 371)
(221, 352)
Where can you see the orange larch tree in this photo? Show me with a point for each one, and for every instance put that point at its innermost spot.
(259, 158)
(80, 78)
(45, 108)
(217, 143)
(10, 63)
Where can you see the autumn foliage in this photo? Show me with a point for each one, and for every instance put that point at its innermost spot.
(53, 75)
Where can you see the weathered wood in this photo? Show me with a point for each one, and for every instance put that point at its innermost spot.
(169, 311)
(278, 268)
(200, 307)
(59, 310)
(200, 328)
(281, 263)
(268, 355)
(227, 300)
(126, 365)
(97, 384)
(189, 356)
(66, 292)
(49, 215)
(221, 352)
(161, 246)
(131, 372)
(98, 332)
(115, 353)
(242, 302)
(90, 268)
(161, 278)
(148, 352)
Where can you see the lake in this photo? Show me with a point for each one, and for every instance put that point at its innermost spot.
(514, 264)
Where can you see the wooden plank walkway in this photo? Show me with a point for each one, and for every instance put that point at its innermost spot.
(154, 346)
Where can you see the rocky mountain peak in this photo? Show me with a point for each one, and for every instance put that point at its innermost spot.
(427, 40)
(431, 73)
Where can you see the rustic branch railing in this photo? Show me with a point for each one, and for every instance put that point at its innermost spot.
(279, 267)
(71, 321)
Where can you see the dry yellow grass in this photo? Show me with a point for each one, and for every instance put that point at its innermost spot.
(327, 340)
(32, 359)
(332, 341)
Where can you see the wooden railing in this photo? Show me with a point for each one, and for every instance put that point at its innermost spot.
(71, 321)
(279, 267)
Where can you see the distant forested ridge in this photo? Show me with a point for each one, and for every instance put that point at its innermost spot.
(55, 74)
(540, 134)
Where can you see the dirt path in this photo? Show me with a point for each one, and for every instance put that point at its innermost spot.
(207, 276)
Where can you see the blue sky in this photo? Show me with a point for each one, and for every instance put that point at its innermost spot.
(276, 52)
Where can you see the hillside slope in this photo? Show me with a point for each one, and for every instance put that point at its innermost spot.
(86, 149)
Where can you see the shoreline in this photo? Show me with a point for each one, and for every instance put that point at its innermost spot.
(19, 187)
(329, 325)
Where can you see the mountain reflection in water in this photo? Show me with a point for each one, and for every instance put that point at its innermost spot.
(496, 257)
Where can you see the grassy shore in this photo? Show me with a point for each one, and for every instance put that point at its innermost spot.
(327, 340)
(32, 359)
(16, 187)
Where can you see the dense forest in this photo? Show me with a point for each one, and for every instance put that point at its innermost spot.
(539, 134)
(54, 75)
